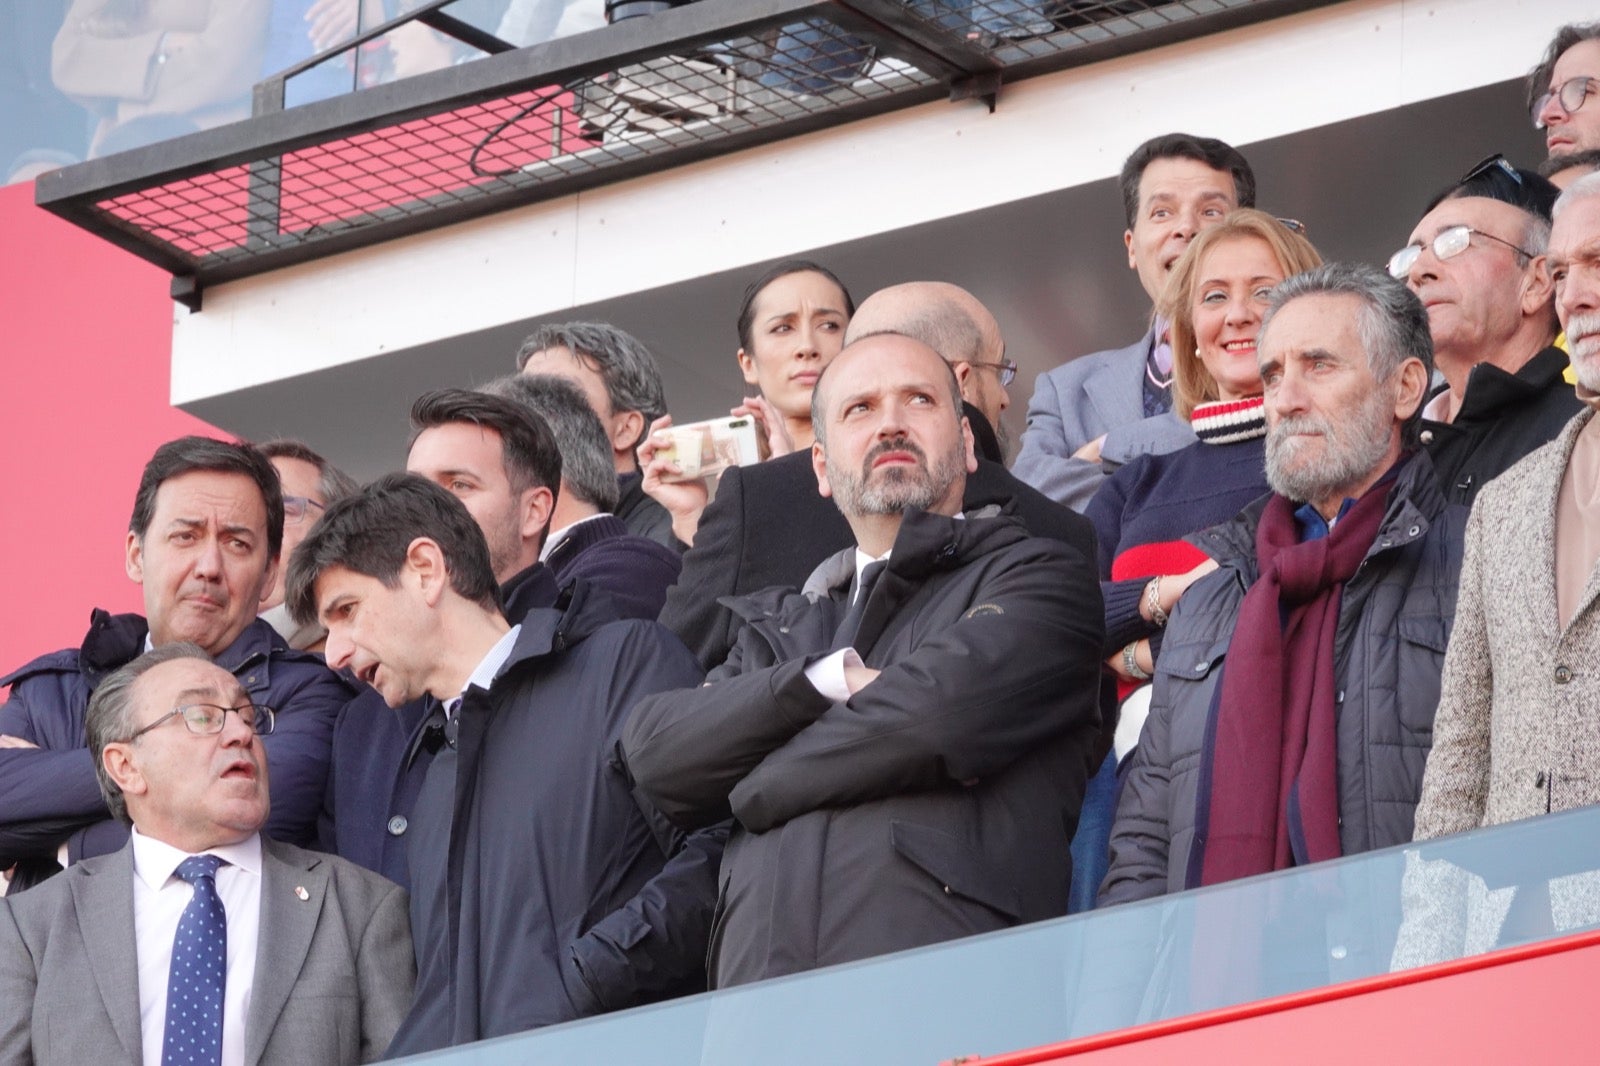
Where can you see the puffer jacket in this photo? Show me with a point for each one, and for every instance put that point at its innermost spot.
(1394, 621)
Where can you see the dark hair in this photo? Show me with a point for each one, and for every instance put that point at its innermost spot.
(110, 717)
(1525, 190)
(334, 484)
(586, 462)
(1567, 36)
(747, 303)
(189, 454)
(1218, 155)
(369, 533)
(632, 376)
(1393, 325)
(528, 448)
(1589, 157)
(818, 418)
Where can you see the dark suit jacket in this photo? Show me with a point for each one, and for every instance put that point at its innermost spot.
(333, 972)
(769, 526)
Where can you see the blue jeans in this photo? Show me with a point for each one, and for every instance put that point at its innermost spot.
(1091, 844)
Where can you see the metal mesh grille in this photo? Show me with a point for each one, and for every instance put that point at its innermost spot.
(740, 76)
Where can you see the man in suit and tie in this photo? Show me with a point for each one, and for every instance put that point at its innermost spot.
(201, 941)
(1114, 405)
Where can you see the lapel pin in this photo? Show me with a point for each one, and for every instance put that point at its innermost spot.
(300, 890)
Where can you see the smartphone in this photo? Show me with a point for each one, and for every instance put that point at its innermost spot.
(706, 449)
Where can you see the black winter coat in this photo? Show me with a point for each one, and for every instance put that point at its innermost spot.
(940, 800)
(1394, 620)
(543, 888)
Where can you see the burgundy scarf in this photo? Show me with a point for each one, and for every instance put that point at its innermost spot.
(1273, 770)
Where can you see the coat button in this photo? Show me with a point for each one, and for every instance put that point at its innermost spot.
(947, 890)
(397, 825)
(1563, 675)
(1200, 668)
(1427, 436)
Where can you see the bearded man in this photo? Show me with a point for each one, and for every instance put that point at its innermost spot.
(1293, 705)
(903, 744)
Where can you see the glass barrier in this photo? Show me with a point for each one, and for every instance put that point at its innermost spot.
(80, 79)
(1138, 963)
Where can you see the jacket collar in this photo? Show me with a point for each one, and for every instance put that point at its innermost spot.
(926, 543)
(582, 536)
(114, 640)
(531, 588)
(1414, 502)
(1490, 389)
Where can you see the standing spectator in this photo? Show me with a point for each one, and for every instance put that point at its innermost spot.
(126, 60)
(1295, 693)
(310, 483)
(203, 542)
(791, 324)
(769, 526)
(1105, 407)
(623, 384)
(921, 782)
(201, 940)
(1515, 731)
(1477, 262)
(543, 889)
(1144, 513)
(1560, 87)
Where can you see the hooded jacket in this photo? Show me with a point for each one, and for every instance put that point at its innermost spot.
(939, 800)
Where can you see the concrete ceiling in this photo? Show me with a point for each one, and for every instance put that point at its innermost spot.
(1051, 267)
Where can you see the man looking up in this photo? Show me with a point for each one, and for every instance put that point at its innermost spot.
(1102, 407)
(922, 781)
(622, 382)
(235, 940)
(768, 526)
(542, 889)
(203, 543)
(1476, 260)
(1300, 732)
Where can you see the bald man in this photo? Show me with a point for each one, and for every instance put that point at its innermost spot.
(768, 525)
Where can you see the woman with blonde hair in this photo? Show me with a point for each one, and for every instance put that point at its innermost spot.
(1144, 512)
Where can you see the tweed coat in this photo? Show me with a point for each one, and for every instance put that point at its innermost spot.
(1515, 734)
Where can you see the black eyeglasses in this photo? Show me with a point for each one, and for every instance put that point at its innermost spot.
(1447, 244)
(1005, 368)
(1293, 225)
(207, 719)
(295, 508)
(1570, 94)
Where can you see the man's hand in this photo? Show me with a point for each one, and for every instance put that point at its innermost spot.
(1091, 452)
(15, 742)
(859, 677)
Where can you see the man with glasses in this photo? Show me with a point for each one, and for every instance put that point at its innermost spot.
(310, 483)
(236, 940)
(1561, 91)
(204, 543)
(1476, 260)
(768, 526)
(1112, 406)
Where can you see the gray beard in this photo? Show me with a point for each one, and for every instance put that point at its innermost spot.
(898, 488)
(1586, 370)
(1351, 450)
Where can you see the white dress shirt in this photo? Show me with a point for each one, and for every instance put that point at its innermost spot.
(159, 899)
(827, 674)
(483, 676)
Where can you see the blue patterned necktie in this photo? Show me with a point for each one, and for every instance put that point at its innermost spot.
(199, 971)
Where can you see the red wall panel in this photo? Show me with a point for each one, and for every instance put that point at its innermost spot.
(85, 343)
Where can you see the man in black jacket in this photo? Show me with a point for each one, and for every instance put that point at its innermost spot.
(922, 781)
(542, 888)
(1477, 262)
(768, 526)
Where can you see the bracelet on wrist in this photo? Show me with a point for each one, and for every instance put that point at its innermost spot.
(1130, 663)
(1152, 602)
